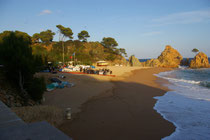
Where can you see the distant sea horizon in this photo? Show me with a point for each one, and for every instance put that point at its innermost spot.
(144, 60)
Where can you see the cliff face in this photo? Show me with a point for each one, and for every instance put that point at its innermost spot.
(134, 61)
(200, 61)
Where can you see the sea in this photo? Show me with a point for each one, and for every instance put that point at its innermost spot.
(144, 60)
(187, 105)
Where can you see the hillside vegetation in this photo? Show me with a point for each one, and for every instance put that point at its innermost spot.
(22, 55)
(75, 50)
(81, 51)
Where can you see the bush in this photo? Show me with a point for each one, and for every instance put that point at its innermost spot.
(20, 64)
(36, 88)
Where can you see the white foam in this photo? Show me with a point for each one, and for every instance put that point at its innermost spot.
(162, 75)
(187, 107)
(183, 67)
(191, 117)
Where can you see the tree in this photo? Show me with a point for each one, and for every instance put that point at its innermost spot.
(109, 42)
(64, 32)
(36, 38)
(19, 63)
(83, 35)
(195, 50)
(123, 52)
(40, 51)
(23, 35)
(46, 36)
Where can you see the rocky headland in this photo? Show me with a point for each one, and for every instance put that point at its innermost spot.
(171, 58)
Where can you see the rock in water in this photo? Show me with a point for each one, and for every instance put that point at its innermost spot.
(170, 58)
(134, 61)
(200, 61)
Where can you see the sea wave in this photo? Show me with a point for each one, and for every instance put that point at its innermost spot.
(201, 83)
(191, 117)
(187, 105)
(205, 84)
(178, 80)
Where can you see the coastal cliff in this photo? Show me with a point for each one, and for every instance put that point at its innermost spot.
(200, 61)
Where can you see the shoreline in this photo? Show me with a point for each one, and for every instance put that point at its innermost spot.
(185, 104)
(116, 115)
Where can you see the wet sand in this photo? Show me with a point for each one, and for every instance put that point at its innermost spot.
(123, 112)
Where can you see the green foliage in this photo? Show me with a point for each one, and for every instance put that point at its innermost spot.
(55, 54)
(195, 50)
(36, 88)
(15, 53)
(111, 57)
(40, 51)
(46, 36)
(66, 32)
(83, 35)
(4, 34)
(25, 37)
(19, 63)
(109, 42)
(36, 38)
(122, 52)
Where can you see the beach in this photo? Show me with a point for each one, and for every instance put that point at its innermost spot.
(120, 107)
(86, 87)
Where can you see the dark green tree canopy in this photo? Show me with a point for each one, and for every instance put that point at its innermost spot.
(36, 37)
(46, 36)
(122, 52)
(19, 63)
(109, 42)
(83, 35)
(19, 34)
(195, 50)
(66, 32)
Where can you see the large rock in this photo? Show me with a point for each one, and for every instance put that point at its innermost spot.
(170, 57)
(200, 61)
(120, 60)
(152, 63)
(134, 61)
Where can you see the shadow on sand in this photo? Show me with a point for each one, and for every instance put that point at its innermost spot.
(125, 112)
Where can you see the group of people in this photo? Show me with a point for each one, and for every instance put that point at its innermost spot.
(92, 71)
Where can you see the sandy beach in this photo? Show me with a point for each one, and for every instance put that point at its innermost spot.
(86, 87)
(108, 108)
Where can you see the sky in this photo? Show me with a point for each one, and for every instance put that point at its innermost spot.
(142, 27)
